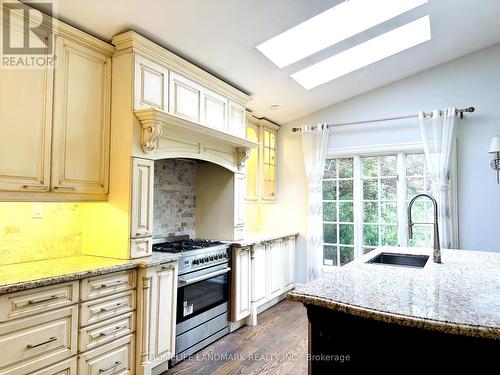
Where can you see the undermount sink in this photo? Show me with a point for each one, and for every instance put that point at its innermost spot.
(402, 260)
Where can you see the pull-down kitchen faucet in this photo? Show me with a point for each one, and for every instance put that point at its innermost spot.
(436, 255)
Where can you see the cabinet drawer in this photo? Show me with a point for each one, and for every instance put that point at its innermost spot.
(33, 301)
(34, 342)
(67, 367)
(141, 247)
(105, 285)
(115, 358)
(104, 332)
(98, 310)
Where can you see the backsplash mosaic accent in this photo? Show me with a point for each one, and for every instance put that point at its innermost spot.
(174, 198)
(57, 233)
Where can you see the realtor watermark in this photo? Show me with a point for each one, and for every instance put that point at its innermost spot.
(27, 35)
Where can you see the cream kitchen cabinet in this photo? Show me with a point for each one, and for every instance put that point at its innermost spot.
(237, 124)
(156, 317)
(288, 259)
(26, 128)
(214, 110)
(239, 200)
(185, 98)
(262, 166)
(259, 274)
(240, 285)
(55, 123)
(271, 275)
(142, 198)
(275, 268)
(151, 85)
(81, 130)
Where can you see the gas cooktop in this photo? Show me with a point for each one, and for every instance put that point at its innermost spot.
(184, 245)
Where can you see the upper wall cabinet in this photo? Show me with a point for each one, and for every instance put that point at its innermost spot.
(25, 128)
(151, 88)
(236, 119)
(261, 165)
(168, 83)
(80, 154)
(185, 99)
(55, 122)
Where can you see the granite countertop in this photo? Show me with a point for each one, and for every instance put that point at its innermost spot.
(251, 238)
(461, 295)
(21, 276)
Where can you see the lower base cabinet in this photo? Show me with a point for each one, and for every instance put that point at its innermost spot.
(116, 358)
(262, 274)
(66, 367)
(156, 317)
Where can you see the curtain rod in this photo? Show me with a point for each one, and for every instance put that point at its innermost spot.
(459, 112)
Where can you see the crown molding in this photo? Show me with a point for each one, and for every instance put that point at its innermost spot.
(261, 121)
(132, 42)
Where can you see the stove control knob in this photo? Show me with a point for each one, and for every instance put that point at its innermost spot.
(211, 258)
(195, 262)
(202, 260)
(206, 259)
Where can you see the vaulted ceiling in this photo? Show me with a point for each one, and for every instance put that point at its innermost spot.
(221, 35)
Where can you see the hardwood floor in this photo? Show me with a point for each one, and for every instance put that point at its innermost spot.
(277, 345)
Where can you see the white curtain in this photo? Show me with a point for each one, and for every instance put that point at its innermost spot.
(314, 147)
(438, 136)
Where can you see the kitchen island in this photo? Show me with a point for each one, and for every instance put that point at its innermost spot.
(383, 315)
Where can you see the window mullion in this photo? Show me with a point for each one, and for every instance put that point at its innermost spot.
(357, 207)
(401, 196)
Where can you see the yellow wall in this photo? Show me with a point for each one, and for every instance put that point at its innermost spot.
(58, 233)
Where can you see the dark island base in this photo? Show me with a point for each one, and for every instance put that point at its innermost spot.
(339, 341)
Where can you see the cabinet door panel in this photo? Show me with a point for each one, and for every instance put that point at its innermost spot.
(241, 291)
(259, 274)
(25, 127)
(288, 263)
(239, 199)
(275, 268)
(185, 98)
(166, 284)
(142, 198)
(80, 157)
(237, 120)
(214, 110)
(151, 85)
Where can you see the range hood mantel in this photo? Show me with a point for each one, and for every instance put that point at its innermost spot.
(156, 123)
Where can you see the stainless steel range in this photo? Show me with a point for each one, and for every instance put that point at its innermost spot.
(202, 294)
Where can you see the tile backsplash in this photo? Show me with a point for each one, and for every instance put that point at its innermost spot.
(36, 231)
(174, 198)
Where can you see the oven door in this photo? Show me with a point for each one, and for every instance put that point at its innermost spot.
(202, 290)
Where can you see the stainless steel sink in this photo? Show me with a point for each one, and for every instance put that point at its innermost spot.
(401, 260)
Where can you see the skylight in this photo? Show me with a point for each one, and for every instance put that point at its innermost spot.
(364, 54)
(330, 27)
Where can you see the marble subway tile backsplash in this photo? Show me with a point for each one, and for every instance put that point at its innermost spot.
(174, 198)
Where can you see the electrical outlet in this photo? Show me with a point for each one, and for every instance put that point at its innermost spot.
(36, 211)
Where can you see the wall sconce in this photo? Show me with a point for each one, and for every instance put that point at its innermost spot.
(495, 149)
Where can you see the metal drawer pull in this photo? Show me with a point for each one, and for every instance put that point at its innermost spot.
(31, 346)
(113, 283)
(117, 363)
(35, 187)
(111, 308)
(69, 188)
(111, 331)
(35, 301)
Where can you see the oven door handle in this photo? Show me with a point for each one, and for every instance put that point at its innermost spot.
(192, 280)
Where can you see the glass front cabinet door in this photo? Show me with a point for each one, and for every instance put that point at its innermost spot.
(261, 166)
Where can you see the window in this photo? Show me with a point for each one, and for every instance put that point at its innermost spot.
(364, 204)
(338, 212)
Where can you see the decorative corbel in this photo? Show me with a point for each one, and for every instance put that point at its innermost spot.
(242, 154)
(151, 132)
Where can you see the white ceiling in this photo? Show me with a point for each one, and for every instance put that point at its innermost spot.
(220, 36)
